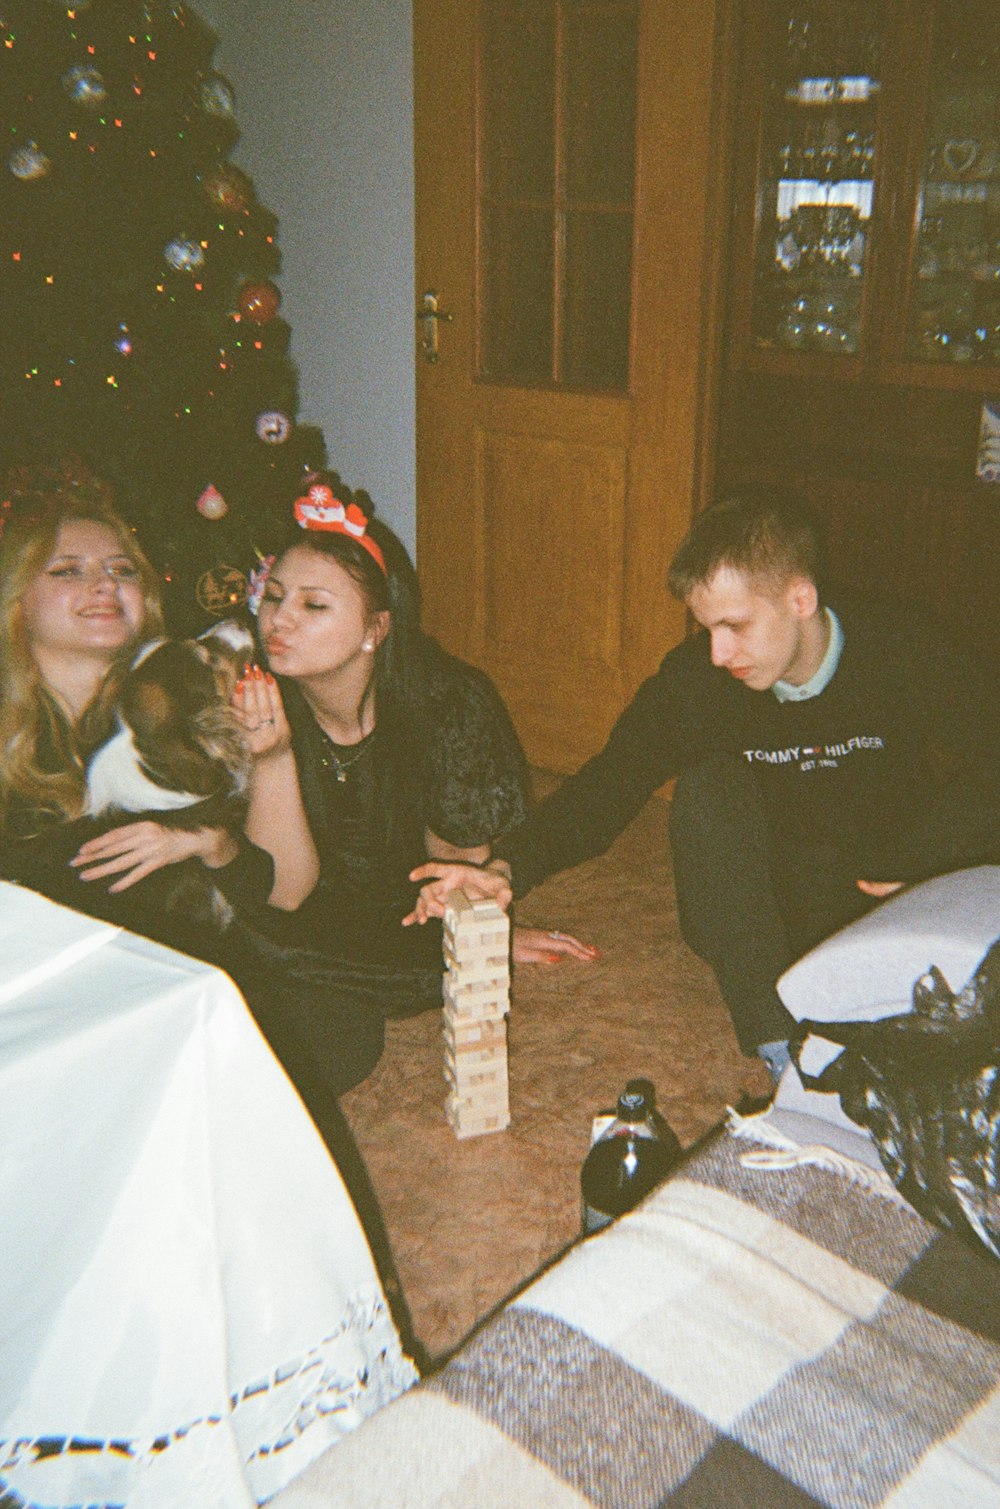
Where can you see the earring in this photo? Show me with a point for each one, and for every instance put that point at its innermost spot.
(368, 647)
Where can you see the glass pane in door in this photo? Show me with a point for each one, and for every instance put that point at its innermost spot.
(517, 272)
(955, 299)
(557, 114)
(815, 175)
(595, 332)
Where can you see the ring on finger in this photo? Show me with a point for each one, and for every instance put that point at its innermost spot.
(263, 721)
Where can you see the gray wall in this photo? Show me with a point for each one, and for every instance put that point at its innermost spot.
(324, 102)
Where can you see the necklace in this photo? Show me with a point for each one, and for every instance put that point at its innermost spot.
(330, 760)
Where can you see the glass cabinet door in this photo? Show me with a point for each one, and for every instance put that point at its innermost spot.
(954, 307)
(821, 93)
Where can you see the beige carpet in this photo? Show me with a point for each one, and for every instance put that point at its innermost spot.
(470, 1221)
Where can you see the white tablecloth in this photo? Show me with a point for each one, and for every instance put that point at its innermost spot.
(189, 1312)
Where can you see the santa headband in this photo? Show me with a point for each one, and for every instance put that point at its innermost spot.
(320, 509)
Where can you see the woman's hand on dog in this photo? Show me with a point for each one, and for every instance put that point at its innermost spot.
(261, 713)
(136, 850)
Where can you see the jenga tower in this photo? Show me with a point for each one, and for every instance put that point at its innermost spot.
(476, 1004)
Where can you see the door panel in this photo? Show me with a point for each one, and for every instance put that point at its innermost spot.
(548, 509)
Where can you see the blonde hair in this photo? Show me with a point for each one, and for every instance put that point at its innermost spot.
(42, 753)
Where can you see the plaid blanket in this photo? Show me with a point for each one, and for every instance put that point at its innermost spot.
(745, 1340)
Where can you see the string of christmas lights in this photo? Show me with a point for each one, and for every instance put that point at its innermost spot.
(141, 312)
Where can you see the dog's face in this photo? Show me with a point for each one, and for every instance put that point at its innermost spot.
(179, 741)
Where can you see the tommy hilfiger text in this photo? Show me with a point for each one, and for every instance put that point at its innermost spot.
(796, 752)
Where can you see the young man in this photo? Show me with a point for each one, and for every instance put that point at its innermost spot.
(825, 757)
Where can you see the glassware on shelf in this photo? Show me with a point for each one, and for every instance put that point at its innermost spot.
(825, 319)
(815, 189)
(955, 274)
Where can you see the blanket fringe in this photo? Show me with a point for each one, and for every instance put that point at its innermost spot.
(780, 1151)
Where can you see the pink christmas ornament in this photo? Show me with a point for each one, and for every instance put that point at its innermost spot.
(211, 504)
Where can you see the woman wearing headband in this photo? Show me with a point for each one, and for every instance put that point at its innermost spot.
(371, 746)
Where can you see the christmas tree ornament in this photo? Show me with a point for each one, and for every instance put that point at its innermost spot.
(127, 237)
(273, 427)
(211, 504)
(28, 162)
(184, 255)
(220, 589)
(258, 302)
(85, 86)
(229, 187)
(215, 94)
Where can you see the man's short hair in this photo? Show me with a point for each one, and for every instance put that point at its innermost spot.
(768, 536)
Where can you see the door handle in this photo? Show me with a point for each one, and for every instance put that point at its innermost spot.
(429, 317)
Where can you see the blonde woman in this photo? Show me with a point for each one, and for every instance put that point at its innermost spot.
(77, 596)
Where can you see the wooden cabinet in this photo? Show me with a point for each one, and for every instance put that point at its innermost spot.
(863, 326)
(868, 191)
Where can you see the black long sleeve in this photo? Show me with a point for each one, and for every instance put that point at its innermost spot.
(896, 763)
(584, 816)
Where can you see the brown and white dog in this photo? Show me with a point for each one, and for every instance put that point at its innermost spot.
(178, 744)
(178, 758)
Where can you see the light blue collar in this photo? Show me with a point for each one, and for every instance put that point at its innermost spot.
(820, 679)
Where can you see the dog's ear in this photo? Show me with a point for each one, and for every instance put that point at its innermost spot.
(229, 646)
(165, 701)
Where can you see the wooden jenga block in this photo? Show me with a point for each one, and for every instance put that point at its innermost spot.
(473, 1006)
(475, 1053)
(464, 1125)
(478, 1081)
(464, 982)
(479, 961)
(463, 1036)
(469, 1057)
(486, 1100)
(482, 1097)
(476, 922)
(476, 1002)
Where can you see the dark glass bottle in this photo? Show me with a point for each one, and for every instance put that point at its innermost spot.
(629, 1159)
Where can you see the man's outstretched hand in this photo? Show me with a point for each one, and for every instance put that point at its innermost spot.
(440, 878)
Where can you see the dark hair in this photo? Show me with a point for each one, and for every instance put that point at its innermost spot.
(767, 535)
(404, 658)
(394, 590)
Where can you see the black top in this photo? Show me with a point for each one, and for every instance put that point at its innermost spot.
(896, 763)
(462, 775)
(173, 905)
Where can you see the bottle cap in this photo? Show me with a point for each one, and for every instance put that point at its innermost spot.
(646, 1089)
(632, 1104)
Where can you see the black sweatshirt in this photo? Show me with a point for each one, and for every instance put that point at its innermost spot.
(896, 763)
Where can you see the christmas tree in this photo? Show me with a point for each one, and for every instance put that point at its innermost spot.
(139, 323)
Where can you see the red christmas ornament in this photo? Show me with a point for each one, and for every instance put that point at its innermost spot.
(258, 302)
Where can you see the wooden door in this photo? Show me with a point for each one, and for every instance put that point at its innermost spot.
(561, 428)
